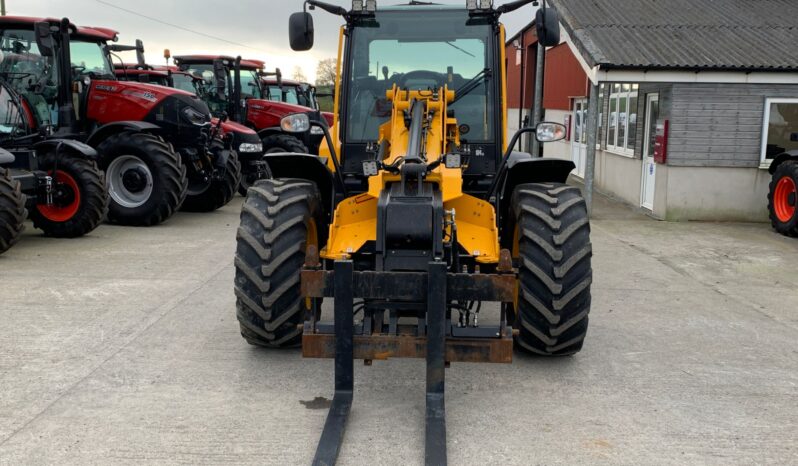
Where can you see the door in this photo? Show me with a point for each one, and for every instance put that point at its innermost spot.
(649, 167)
(579, 139)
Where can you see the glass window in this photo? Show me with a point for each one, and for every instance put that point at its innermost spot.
(184, 82)
(24, 68)
(11, 123)
(287, 94)
(250, 84)
(781, 128)
(89, 58)
(612, 123)
(622, 124)
(419, 53)
(601, 115)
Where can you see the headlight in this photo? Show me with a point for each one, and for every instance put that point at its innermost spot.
(316, 131)
(195, 117)
(296, 123)
(250, 147)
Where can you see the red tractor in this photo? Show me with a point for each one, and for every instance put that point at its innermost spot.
(234, 86)
(298, 93)
(245, 140)
(157, 146)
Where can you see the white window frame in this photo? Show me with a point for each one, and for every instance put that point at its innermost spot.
(763, 162)
(612, 146)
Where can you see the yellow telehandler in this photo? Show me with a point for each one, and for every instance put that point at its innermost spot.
(416, 212)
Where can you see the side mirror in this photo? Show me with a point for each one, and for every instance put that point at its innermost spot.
(279, 75)
(548, 27)
(300, 31)
(220, 73)
(140, 53)
(550, 132)
(44, 39)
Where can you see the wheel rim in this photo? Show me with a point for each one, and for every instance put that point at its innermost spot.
(66, 199)
(784, 199)
(130, 181)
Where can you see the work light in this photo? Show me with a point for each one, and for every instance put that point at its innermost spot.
(364, 5)
(472, 5)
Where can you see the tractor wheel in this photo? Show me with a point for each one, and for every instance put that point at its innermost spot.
(252, 173)
(12, 211)
(146, 178)
(80, 198)
(283, 143)
(783, 199)
(279, 219)
(552, 244)
(221, 190)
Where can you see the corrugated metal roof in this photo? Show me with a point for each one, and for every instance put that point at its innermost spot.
(684, 34)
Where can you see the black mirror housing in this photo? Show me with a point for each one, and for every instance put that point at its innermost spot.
(300, 31)
(547, 23)
(44, 39)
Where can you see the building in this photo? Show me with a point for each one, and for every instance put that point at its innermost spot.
(695, 97)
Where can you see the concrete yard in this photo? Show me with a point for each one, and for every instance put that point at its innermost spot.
(123, 348)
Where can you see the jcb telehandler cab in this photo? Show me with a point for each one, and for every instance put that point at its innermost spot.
(156, 145)
(415, 214)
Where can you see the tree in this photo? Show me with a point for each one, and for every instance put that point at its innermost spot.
(299, 75)
(325, 72)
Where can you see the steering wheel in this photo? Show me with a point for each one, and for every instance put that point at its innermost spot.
(422, 75)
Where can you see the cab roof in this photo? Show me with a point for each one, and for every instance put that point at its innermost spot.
(81, 32)
(203, 59)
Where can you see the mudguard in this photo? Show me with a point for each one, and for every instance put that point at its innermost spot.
(781, 158)
(306, 167)
(102, 133)
(51, 145)
(6, 156)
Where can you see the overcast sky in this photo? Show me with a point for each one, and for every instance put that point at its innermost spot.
(260, 26)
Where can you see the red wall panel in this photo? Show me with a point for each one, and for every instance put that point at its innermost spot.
(564, 78)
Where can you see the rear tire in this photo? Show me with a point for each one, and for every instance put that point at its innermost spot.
(278, 219)
(552, 244)
(159, 186)
(783, 199)
(221, 191)
(12, 211)
(88, 206)
(277, 143)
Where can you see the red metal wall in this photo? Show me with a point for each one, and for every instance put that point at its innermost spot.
(564, 78)
(529, 42)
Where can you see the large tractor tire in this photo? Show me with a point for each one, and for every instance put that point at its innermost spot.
(12, 211)
(146, 178)
(80, 197)
(552, 244)
(279, 219)
(277, 143)
(251, 174)
(220, 191)
(783, 199)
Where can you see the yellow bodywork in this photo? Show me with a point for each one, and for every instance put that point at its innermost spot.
(355, 218)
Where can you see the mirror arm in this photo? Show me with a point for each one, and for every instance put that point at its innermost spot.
(503, 165)
(512, 6)
(334, 9)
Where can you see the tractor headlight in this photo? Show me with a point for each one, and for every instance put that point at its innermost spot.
(316, 131)
(249, 147)
(296, 123)
(195, 117)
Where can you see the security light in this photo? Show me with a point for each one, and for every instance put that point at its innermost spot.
(357, 5)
